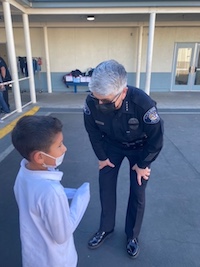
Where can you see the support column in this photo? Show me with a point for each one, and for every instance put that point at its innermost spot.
(150, 51)
(139, 55)
(49, 87)
(12, 55)
(29, 57)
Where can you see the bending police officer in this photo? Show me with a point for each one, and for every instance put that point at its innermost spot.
(121, 121)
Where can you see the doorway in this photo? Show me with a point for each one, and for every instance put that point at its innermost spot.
(186, 67)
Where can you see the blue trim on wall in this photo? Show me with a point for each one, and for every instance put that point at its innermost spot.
(160, 82)
(40, 82)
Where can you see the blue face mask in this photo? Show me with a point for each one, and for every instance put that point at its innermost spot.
(58, 161)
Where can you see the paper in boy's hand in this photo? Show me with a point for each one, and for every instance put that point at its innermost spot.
(84, 189)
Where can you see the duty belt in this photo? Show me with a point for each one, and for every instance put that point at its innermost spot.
(128, 145)
(133, 145)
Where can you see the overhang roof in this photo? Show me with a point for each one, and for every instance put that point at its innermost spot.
(128, 12)
(105, 3)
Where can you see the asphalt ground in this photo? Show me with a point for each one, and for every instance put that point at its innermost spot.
(170, 235)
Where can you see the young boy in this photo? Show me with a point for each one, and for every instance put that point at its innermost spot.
(47, 222)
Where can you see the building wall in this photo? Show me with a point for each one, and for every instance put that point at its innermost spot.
(82, 48)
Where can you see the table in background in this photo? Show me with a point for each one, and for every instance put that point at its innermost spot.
(76, 84)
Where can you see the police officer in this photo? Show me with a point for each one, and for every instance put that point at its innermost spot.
(121, 121)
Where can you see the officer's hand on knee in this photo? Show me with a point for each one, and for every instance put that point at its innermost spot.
(104, 163)
(141, 173)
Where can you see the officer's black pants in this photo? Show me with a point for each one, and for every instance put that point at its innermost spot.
(108, 183)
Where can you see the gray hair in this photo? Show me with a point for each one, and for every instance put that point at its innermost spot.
(107, 78)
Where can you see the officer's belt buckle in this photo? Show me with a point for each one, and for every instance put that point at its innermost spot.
(134, 145)
(128, 144)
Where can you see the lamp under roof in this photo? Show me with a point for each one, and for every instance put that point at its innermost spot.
(90, 18)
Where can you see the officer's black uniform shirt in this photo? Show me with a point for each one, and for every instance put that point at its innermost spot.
(136, 120)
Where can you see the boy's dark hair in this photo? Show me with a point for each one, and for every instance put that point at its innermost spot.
(35, 133)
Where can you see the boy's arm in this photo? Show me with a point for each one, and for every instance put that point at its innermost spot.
(79, 204)
(70, 192)
(62, 220)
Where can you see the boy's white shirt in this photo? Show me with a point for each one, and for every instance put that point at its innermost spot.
(70, 192)
(47, 222)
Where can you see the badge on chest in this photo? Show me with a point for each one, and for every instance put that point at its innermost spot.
(133, 123)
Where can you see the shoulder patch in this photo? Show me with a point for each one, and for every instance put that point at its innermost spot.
(151, 116)
(86, 109)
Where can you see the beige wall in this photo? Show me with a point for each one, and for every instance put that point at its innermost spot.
(81, 48)
(37, 42)
(164, 41)
(75, 48)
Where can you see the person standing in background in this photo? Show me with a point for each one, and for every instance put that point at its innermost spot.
(6, 77)
(3, 106)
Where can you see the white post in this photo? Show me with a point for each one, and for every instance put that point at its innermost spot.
(139, 56)
(49, 87)
(12, 55)
(150, 51)
(29, 57)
